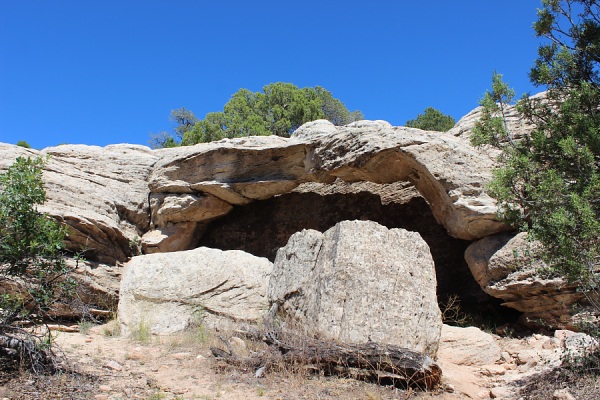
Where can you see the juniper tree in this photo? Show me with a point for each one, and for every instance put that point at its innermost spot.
(549, 181)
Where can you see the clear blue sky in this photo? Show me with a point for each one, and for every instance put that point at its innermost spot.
(103, 72)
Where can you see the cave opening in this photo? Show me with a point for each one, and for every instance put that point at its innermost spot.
(262, 227)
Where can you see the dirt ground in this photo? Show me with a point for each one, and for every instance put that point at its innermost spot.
(181, 367)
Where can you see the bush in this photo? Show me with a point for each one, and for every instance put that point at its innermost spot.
(32, 267)
(23, 143)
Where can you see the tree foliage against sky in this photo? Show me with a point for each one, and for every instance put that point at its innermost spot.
(432, 120)
(549, 182)
(278, 110)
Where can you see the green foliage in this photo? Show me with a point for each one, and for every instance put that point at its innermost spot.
(278, 110)
(23, 143)
(432, 120)
(549, 181)
(185, 120)
(32, 268)
(334, 110)
(162, 140)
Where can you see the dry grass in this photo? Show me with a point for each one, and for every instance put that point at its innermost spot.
(154, 369)
(581, 386)
(68, 385)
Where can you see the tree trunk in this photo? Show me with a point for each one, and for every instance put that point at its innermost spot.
(370, 361)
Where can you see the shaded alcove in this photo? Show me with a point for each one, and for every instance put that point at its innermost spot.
(262, 227)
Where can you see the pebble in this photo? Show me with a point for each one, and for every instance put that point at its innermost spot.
(237, 342)
(181, 356)
(499, 393)
(552, 343)
(509, 366)
(259, 372)
(115, 366)
(490, 370)
(562, 394)
(104, 388)
(506, 356)
(527, 356)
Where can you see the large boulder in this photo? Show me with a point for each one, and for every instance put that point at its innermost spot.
(468, 346)
(359, 282)
(509, 267)
(169, 291)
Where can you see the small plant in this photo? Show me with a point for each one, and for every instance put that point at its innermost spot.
(33, 270)
(158, 395)
(23, 143)
(112, 328)
(135, 245)
(198, 323)
(452, 313)
(142, 332)
(85, 326)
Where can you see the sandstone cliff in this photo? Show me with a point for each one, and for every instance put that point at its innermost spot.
(254, 193)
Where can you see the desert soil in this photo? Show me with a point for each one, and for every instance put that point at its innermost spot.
(181, 367)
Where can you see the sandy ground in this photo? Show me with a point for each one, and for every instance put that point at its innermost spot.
(181, 367)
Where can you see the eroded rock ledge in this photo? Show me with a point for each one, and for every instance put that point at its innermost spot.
(122, 196)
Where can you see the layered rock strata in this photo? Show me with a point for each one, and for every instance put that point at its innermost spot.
(509, 267)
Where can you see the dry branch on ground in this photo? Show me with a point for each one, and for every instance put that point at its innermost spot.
(373, 362)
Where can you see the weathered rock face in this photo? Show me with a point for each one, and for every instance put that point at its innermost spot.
(123, 199)
(169, 291)
(101, 193)
(360, 281)
(112, 196)
(506, 267)
(468, 346)
(518, 126)
(261, 228)
(96, 291)
(448, 172)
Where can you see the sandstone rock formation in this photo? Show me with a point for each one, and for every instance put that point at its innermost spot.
(516, 124)
(169, 291)
(359, 282)
(262, 227)
(508, 268)
(122, 200)
(122, 196)
(448, 172)
(100, 193)
(468, 346)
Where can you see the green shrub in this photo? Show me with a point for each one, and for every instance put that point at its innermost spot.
(33, 272)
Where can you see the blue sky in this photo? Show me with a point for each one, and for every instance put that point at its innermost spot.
(103, 72)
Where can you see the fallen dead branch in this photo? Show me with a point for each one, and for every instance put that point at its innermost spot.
(373, 362)
(26, 351)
